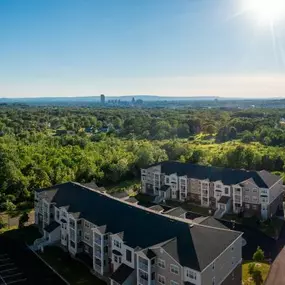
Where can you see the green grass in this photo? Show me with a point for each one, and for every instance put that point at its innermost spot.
(27, 234)
(189, 207)
(73, 271)
(246, 279)
(127, 185)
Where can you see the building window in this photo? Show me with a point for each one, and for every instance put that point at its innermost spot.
(254, 190)
(167, 180)
(128, 255)
(87, 236)
(247, 206)
(117, 243)
(72, 244)
(173, 282)
(174, 269)
(161, 279)
(191, 274)
(57, 214)
(161, 263)
(97, 238)
(227, 190)
(254, 207)
(86, 224)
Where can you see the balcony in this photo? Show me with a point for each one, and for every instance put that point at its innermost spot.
(98, 241)
(143, 267)
(143, 281)
(97, 268)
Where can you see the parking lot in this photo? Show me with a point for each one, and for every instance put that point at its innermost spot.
(9, 272)
(20, 266)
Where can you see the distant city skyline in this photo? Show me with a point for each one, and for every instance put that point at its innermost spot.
(183, 48)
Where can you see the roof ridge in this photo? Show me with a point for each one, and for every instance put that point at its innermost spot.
(191, 223)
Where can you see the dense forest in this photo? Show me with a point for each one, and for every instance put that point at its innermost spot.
(42, 146)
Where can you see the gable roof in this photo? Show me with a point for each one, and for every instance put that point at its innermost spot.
(176, 212)
(122, 273)
(195, 245)
(51, 227)
(228, 176)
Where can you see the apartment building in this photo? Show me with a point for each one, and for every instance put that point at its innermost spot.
(129, 244)
(224, 190)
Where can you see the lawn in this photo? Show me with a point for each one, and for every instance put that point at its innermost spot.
(189, 207)
(126, 185)
(73, 271)
(246, 279)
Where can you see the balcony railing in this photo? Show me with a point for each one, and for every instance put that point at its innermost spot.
(143, 281)
(143, 266)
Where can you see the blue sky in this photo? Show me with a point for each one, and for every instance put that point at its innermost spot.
(120, 47)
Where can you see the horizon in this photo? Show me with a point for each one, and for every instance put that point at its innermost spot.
(204, 48)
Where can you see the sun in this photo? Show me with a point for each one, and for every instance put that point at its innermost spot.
(266, 11)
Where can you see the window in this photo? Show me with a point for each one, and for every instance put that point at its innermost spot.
(72, 244)
(87, 236)
(247, 206)
(254, 207)
(117, 243)
(152, 261)
(173, 282)
(246, 198)
(72, 223)
(191, 274)
(227, 190)
(233, 248)
(161, 279)
(161, 263)
(97, 238)
(128, 255)
(174, 269)
(167, 180)
(254, 190)
(57, 214)
(87, 224)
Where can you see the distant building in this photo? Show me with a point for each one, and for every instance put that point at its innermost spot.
(102, 98)
(255, 193)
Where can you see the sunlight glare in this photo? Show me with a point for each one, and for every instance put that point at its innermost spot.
(266, 11)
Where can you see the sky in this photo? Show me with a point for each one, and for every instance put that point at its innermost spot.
(126, 47)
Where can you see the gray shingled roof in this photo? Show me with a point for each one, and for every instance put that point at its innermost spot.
(228, 176)
(176, 212)
(51, 227)
(122, 273)
(224, 199)
(195, 246)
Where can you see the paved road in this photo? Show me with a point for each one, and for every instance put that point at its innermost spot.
(276, 275)
(20, 266)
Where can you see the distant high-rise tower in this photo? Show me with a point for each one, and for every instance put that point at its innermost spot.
(102, 97)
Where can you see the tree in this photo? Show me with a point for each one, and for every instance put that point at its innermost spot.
(23, 219)
(232, 133)
(258, 256)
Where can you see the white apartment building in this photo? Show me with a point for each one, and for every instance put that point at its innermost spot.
(129, 244)
(224, 190)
